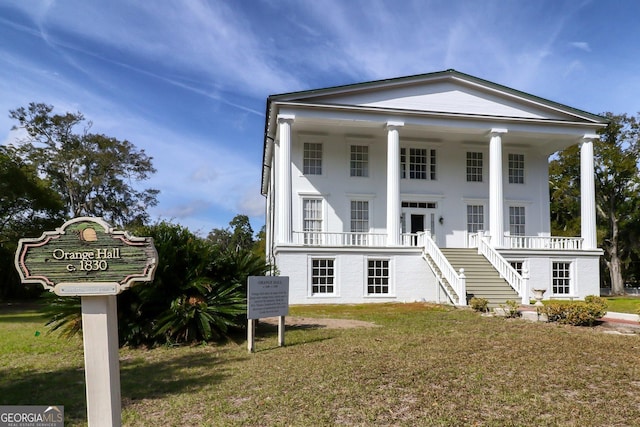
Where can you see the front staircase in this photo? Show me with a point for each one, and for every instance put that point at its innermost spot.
(483, 281)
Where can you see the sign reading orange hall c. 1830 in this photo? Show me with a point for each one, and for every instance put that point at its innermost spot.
(86, 257)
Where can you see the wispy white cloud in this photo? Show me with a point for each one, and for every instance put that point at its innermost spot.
(582, 46)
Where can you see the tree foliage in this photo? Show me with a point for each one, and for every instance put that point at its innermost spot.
(616, 157)
(27, 206)
(198, 294)
(95, 174)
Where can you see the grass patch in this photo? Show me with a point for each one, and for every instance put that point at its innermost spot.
(626, 304)
(424, 365)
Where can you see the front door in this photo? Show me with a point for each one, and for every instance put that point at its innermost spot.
(417, 223)
(418, 217)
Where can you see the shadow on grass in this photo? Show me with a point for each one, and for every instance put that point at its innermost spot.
(267, 334)
(139, 379)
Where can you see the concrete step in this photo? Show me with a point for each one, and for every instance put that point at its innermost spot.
(483, 281)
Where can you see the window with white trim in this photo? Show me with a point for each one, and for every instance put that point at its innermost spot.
(561, 280)
(475, 218)
(312, 158)
(322, 276)
(417, 163)
(359, 221)
(516, 168)
(516, 221)
(377, 276)
(517, 266)
(359, 165)
(474, 166)
(312, 220)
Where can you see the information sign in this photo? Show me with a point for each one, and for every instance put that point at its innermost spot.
(267, 296)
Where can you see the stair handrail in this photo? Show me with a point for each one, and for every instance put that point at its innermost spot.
(502, 266)
(456, 280)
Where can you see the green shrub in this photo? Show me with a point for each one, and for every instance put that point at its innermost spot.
(554, 311)
(511, 309)
(578, 313)
(479, 304)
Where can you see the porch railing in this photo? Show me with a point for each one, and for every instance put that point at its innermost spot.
(538, 242)
(502, 266)
(444, 270)
(352, 239)
(532, 242)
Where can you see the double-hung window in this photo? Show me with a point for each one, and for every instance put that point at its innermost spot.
(516, 168)
(312, 158)
(516, 221)
(322, 276)
(312, 221)
(417, 163)
(378, 277)
(561, 280)
(474, 167)
(359, 161)
(359, 222)
(475, 218)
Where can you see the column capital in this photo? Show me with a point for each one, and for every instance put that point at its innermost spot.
(498, 131)
(286, 118)
(588, 137)
(393, 124)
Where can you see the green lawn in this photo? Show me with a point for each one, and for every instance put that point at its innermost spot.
(422, 365)
(624, 304)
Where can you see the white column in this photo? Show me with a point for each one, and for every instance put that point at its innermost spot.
(393, 183)
(496, 199)
(587, 194)
(283, 191)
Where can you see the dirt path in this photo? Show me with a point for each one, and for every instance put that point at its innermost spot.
(317, 322)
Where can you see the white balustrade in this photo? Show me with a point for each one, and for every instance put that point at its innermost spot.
(456, 280)
(502, 266)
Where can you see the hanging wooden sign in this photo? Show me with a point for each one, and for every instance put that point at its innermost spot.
(86, 257)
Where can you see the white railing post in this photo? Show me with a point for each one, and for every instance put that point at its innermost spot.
(525, 286)
(462, 298)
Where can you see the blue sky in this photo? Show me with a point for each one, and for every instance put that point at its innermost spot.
(187, 80)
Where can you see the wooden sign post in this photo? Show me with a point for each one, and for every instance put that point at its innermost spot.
(87, 258)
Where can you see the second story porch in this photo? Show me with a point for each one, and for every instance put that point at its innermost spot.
(417, 240)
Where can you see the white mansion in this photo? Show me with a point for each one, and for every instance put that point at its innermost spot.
(431, 187)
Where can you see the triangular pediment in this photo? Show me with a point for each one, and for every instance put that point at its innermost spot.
(447, 92)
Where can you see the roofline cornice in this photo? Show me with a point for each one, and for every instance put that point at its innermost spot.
(433, 114)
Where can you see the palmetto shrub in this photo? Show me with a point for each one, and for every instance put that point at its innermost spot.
(198, 293)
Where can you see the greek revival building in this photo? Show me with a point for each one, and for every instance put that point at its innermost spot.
(432, 187)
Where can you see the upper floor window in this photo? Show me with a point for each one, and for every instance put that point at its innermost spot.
(312, 158)
(417, 163)
(475, 218)
(359, 221)
(516, 220)
(516, 168)
(312, 220)
(359, 165)
(474, 167)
